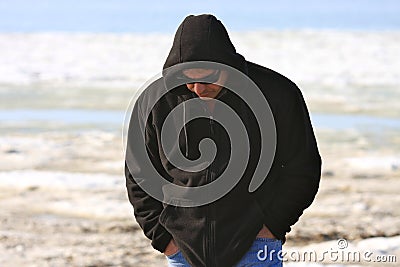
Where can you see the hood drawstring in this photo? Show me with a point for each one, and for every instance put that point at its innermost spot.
(185, 131)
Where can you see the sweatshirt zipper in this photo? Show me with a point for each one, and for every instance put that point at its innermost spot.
(210, 220)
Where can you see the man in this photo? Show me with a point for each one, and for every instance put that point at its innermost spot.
(235, 228)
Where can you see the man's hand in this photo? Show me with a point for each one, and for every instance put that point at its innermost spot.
(171, 248)
(265, 233)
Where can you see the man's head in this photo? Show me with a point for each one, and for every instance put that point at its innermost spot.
(203, 38)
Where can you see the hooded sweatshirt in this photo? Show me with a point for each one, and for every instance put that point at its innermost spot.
(220, 233)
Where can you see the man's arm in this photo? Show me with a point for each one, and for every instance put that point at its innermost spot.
(137, 170)
(297, 174)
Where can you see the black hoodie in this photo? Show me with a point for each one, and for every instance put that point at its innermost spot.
(220, 233)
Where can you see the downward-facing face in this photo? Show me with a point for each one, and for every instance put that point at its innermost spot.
(206, 88)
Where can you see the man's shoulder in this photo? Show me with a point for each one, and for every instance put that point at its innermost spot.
(264, 74)
(149, 96)
(272, 82)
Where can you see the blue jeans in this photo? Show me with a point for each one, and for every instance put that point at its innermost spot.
(177, 260)
(262, 253)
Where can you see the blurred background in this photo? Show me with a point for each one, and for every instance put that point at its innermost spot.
(68, 70)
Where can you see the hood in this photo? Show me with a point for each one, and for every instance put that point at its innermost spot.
(203, 38)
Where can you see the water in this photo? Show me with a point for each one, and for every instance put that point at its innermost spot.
(73, 116)
(83, 81)
(358, 122)
(338, 72)
(110, 119)
(164, 16)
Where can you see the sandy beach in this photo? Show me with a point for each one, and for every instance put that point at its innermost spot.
(62, 191)
(74, 211)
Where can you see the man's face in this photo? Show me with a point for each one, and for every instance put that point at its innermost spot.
(205, 91)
